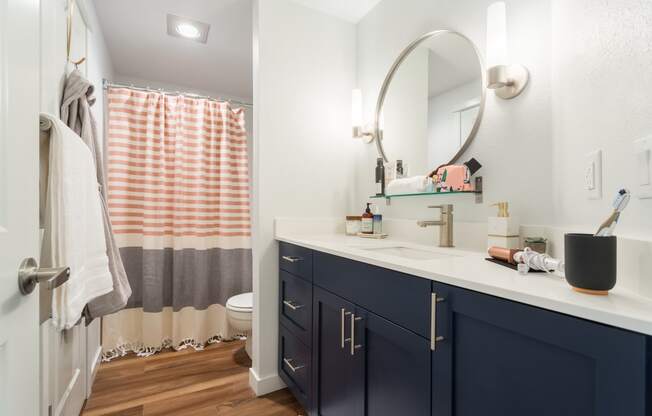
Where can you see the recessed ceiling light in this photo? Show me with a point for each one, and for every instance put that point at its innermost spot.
(188, 31)
(182, 27)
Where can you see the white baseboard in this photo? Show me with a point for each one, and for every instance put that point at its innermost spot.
(266, 385)
(97, 360)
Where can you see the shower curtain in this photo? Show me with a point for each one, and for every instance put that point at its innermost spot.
(179, 204)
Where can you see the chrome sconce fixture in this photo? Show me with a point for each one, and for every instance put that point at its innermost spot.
(366, 133)
(506, 79)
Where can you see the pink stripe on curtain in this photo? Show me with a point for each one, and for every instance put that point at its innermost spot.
(177, 166)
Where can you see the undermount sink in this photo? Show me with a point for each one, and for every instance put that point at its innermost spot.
(411, 253)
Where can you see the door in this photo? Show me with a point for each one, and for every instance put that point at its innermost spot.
(398, 369)
(338, 356)
(19, 139)
(498, 357)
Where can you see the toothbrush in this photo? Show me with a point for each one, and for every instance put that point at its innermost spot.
(606, 229)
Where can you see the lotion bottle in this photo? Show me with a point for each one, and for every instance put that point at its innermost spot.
(502, 230)
(367, 226)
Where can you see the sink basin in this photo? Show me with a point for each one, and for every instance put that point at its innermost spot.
(411, 253)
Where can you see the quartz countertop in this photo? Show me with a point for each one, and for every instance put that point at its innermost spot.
(471, 271)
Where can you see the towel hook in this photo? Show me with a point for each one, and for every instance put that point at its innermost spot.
(71, 13)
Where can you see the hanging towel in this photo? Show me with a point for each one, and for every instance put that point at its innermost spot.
(412, 185)
(75, 112)
(74, 234)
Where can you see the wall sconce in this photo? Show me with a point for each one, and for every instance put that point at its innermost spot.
(506, 79)
(359, 132)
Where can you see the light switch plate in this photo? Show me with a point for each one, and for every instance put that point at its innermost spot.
(643, 151)
(593, 175)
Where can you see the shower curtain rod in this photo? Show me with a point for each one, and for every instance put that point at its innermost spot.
(106, 84)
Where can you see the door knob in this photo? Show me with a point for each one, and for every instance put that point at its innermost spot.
(29, 275)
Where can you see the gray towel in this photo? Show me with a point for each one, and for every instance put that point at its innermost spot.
(76, 113)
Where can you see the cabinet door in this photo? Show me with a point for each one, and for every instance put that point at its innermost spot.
(499, 357)
(397, 369)
(338, 369)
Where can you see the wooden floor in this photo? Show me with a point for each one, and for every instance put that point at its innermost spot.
(210, 382)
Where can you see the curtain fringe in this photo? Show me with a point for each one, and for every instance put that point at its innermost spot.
(140, 350)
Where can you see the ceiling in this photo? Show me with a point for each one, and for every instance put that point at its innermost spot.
(135, 33)
(351, 10)
(452, 62)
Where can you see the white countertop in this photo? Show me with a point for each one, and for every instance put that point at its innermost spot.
(470, 270)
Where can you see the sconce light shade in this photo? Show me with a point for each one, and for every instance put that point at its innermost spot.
(496, 34)
(356, 111)
(506, 79)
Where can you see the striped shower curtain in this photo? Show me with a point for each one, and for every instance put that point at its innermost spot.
(179, 203)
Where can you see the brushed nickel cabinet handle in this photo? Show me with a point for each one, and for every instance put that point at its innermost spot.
(292, 259)
(353, 344)
(292, 305)
(343, 313)
(433, 320)
(288, 362)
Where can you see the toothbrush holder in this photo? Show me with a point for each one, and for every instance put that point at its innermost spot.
(590, 263)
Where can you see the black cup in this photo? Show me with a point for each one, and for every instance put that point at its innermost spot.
(590, 263)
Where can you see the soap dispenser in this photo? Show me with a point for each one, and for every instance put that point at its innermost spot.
(502, 230)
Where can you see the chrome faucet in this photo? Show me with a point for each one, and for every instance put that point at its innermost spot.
(445, 224)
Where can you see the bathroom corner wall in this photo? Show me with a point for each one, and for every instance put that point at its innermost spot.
(514, 140)
(304, 71)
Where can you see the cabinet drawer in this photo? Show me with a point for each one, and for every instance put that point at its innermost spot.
(397, 297)
(296, 305)
(296, 260)
(294, 365)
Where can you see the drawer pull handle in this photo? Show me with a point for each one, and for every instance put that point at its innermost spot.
(292, 259)
(291, 305)
(288, 362)
(353, 344)
(343, 313)
(433, 320)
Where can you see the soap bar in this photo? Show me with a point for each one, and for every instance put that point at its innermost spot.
(503, 226)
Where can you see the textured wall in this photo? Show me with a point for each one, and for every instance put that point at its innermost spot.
(602, 99)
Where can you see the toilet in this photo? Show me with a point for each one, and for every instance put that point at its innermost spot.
(238, 311)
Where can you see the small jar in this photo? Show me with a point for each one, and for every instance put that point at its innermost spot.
(353, 223)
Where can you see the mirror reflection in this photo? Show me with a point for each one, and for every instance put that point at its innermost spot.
(433, 105)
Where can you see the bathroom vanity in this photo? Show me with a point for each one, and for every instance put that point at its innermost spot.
(370, 330)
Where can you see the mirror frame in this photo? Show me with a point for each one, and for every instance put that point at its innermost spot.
(390, 76)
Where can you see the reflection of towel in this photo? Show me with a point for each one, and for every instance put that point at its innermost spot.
(412, 185)
(74, 232)
(76, 113)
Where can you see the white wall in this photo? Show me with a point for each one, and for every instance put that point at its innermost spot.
(514, 140)
(304, 71)
(602, 99)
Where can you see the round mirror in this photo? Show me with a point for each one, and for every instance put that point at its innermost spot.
(431, 103)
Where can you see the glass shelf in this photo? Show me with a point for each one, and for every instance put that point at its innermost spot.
(477, 192)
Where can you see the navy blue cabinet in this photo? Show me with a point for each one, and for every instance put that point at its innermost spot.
(498, 357)
(360, 340)
(338, 356)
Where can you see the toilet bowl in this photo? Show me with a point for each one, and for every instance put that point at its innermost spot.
(238, 311)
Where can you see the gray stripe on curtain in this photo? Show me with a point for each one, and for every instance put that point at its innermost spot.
(188, 277)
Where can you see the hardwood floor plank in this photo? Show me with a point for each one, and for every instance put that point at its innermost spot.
(186, 383)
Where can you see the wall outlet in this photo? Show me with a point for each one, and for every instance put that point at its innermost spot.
(593, 175)
(643, 150)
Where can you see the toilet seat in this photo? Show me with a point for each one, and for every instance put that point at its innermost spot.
(243, 302)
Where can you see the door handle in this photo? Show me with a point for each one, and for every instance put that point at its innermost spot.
(291, 305)
(29, 275)
(433, 320)
(294, 369)
(292, 259)
(354, 347)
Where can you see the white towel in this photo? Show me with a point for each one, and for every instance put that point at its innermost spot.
(74, 231)
(412, 185)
